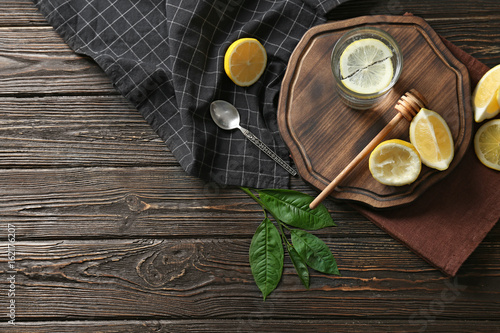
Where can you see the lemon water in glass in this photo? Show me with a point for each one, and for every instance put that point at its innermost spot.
(366, 63)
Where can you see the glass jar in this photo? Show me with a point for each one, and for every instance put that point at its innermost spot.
(356, 99)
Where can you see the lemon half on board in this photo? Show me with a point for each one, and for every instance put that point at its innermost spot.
(366, 66)
(245, 61)
(432, 138)
(395, 162)
(487, 144)
(486, 95)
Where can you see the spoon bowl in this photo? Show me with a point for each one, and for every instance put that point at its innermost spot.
(225, 115)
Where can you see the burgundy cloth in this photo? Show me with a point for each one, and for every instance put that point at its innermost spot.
(446, 224)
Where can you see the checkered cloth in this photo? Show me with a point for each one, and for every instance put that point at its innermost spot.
(166, 57)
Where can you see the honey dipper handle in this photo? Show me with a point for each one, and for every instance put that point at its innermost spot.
(362, 154)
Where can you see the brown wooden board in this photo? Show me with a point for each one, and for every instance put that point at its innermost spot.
(324, 135)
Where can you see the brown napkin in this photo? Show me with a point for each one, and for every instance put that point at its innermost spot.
(447, 223)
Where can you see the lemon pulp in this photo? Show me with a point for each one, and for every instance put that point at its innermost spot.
(395, 162)
(245, 61)
(487, 144)
(432, 138)
(366, 66)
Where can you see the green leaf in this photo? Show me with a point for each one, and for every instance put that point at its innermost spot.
(292, 208)
(314, 251)
(266, 257)
(300, 265)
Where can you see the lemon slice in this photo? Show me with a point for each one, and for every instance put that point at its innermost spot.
(366, 66)
(431, 136)
(486, 96)
(245, 61)
(487, 144)
(395, 162)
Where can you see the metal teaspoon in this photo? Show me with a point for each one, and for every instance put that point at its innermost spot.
(227, 117)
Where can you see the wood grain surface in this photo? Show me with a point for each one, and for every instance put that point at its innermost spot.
(113, 236)
(324, 135)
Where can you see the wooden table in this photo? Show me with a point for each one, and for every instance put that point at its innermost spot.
(112, 236)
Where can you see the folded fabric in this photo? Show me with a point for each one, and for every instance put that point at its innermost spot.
(446, 224)
(166, 57)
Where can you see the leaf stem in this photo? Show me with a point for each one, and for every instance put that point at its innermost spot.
(266, 210)
(247, 191)
(283, 236)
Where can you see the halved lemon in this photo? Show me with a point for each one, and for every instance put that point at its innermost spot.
(366, 67)
(245, 61)
(432, 138)
(487, 144)
(486, 95)
(395, 162)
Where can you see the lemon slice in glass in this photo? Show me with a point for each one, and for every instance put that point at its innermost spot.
(395, 162)
(366, 66)
(487, 144)
(431, 136)
(245, 61)
(486, 96)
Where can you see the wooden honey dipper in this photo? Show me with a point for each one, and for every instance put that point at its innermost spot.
(408, 106)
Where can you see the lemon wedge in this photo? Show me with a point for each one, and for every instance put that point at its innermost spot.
(395, 162)
(366, 66)
(498, 96)
(487, 144)
(486, 95)
(432, 138)
(245, 61)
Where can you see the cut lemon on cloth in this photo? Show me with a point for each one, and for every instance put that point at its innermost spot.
(487, 144)
(245, 61)
(486, 96)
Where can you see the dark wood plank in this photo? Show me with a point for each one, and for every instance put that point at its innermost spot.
(44, 64)
(196, 278)
(429, 9)
(131, 202)
(20, 13)
(475, 35)
(256, 323)
(24, 13)
(77, 131)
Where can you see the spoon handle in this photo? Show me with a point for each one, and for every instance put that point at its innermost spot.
(262, 146)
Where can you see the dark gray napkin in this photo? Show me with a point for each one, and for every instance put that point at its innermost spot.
(166, 57)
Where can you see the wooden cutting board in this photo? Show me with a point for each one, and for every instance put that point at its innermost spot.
(324, 135)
